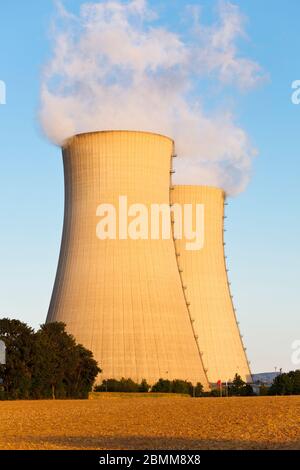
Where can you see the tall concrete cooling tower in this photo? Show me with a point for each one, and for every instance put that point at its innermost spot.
(204, 274)
(122, 299)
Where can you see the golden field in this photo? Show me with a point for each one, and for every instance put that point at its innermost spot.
(146, 422)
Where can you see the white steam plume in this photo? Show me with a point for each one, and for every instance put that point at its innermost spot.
(113, 68)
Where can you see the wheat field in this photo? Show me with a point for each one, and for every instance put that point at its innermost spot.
(142, 422)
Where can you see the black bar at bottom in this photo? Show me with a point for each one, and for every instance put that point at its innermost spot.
(143, 459)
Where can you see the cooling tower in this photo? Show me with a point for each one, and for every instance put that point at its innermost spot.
(208, 295)
(122, 298)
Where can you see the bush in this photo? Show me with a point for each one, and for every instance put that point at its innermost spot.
(177, 386)
(182, 386)
(161, 386)
(123, 385)
(199, 390)
(144, 386)
(263, 390)
(213, 393)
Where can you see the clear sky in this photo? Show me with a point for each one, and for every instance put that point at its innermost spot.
(263, 224)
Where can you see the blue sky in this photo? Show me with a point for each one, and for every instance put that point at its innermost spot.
(263, 224)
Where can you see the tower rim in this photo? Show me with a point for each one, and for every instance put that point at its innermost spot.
(69, 140)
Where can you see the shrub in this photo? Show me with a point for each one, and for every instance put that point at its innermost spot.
(162, 386)
(123, 385)
(177, 386)
(144, 387)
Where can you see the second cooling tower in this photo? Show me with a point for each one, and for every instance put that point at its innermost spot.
(208, 295)
(122, 298)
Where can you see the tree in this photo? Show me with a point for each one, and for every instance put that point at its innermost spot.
(54, 357)
(240, 388)
(128, 385)
(80, 378)
(123, 385)
(237, 385)
(162, 386)
(45, 364)
(199, 390)
(282, 385)
(17, 373)
(182, 386)
(62, 368)
(177, 386)
(144, 387)
(296, 382)
(247, 391)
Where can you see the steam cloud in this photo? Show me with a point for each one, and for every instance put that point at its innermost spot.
(114, 67)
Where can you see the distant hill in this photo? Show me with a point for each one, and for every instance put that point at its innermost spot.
(265, 377)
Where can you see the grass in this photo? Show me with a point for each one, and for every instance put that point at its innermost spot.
(112, 422)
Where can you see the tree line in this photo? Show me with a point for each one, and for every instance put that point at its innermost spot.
(237, 388)
(162, 386)
(49, 363)
(283, 384)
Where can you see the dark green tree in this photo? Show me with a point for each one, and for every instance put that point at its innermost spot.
(46, 364)
(54, 357)
(17, 373)
(214, 393)
(237, 386)
(123, 385)
(182, 386)
(80, 378)
(247, 391)
(128, 385)
(62, 369)
(162, 386)
(296, 382)
(199, 390)
(144, 387)
(177, 386)
(282, 385)
(109, 385)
